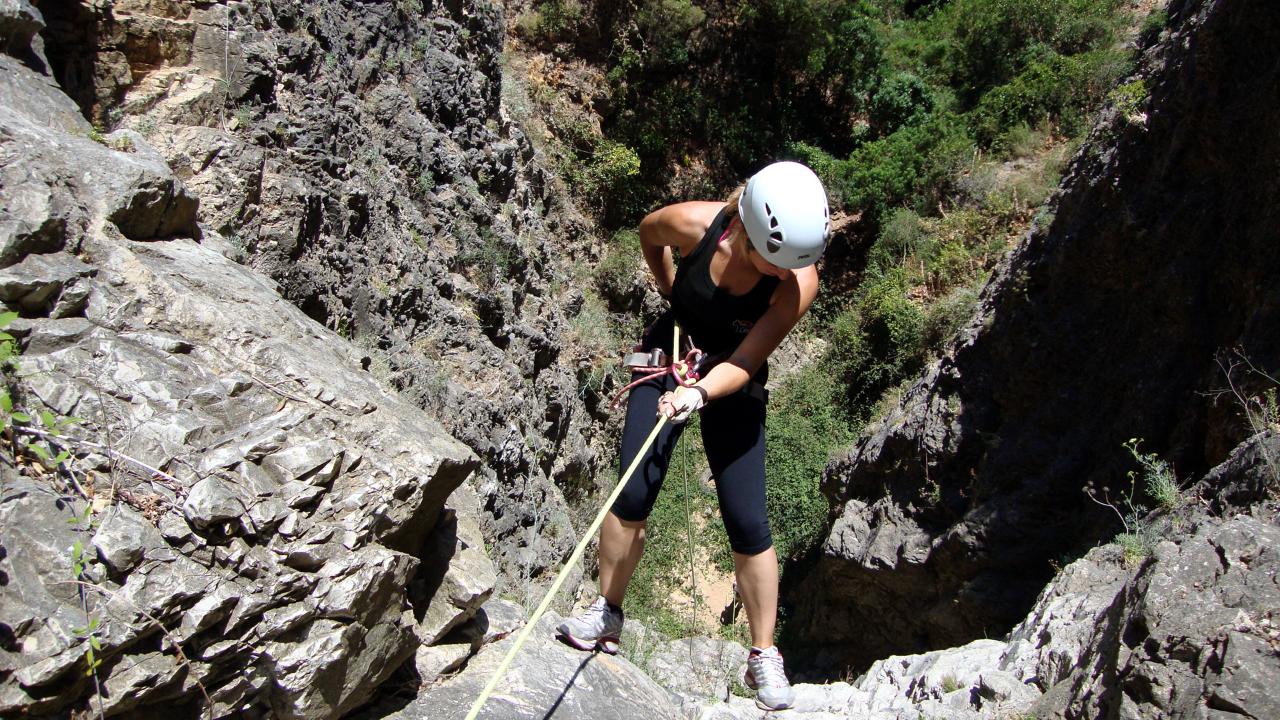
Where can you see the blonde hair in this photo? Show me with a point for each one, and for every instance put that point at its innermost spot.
(731, 214)
(731, 203)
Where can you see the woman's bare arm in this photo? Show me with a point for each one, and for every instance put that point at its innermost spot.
(793, 299)
(680, 226)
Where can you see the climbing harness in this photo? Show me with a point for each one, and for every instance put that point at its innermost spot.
(653, 365)
(573, 560)
(687, 371)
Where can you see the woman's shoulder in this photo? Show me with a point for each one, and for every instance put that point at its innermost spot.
(684, 222)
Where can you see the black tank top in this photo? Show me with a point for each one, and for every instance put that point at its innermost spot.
(716, 319)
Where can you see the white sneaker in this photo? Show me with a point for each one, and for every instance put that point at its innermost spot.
(597, 627)
(766, 676)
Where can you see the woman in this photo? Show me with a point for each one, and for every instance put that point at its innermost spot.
(746, 277)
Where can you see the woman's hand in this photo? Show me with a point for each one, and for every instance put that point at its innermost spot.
(679, 405)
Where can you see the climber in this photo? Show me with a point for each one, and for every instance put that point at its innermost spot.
(746, 277)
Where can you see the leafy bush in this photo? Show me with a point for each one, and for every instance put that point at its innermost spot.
(992, 40)
(551, 20)
(902, 235)
(615, 276)
(1058, 88)
(947, 316)
(913, 165)
(876, 342)
(804, 428)
(665, 26)
(902, 99)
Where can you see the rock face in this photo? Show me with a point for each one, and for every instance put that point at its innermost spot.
(252, 517)
(362, 156)
(1109, 322)
(547, 679)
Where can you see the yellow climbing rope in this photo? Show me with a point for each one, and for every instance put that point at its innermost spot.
(573, 560)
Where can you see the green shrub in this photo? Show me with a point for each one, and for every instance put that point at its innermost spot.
(1059, 88)
(902, 99)
(488, 258)
(913, 165)
(552, 20)
(876, 342)
(615, 276)
(991, 41)
(946, 316)
(1022, 141)
(665, 26)
(903, 235)
(1128, 100)
(804, 428)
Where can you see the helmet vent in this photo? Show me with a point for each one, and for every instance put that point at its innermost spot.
(773, 222)
(774, 243)
(767, 211)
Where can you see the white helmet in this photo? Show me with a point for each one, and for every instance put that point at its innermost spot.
(784, 210)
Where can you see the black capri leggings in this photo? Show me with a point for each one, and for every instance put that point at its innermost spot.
(733, 437)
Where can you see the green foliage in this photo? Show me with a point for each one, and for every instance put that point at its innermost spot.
(615, 276)
(606, 170)
(1135, 546)
(1129, 100)
(1054, 88)
(1155, 22)
(876, 342)
(409, 7)
(488, 258)
(1157, 475)
(912, 165)
(8, 361)
(902, 99)
(591, 325)
(552, 20)
(945, 317)
(1159, 483)
(991, 41)
(665, 26)
(805, 427)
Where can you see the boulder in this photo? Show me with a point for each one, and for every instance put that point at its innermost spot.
(546, 677)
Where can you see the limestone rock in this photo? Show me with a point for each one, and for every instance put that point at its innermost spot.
(695, 669)
(546, 676)
(1193, 630)
(209, 408)
(125, 537)
(19, 22)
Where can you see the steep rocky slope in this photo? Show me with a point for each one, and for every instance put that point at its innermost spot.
(359, 155)
(246, 519)
(1114, 319)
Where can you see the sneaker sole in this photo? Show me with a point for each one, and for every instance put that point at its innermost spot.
(608, 645)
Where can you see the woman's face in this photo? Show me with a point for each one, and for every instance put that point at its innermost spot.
(764, 266)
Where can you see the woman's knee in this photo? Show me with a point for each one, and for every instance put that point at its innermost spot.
(749, 538)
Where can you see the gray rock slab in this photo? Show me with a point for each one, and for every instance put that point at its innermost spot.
(124, 537)
(696, 669)
(547, 679)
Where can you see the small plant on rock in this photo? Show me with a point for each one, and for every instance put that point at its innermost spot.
(1157, 475)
